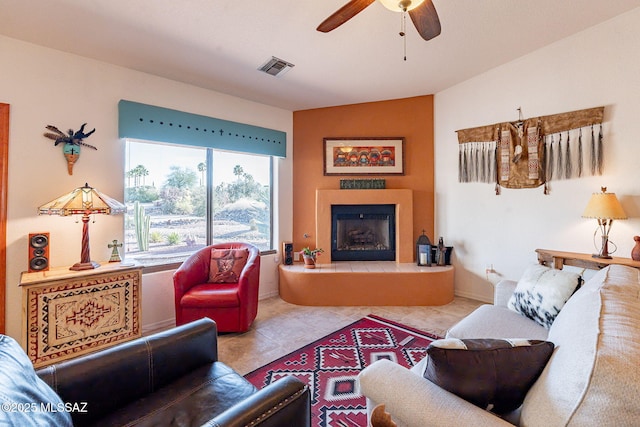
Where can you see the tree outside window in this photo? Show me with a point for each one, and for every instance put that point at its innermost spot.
(166, 195)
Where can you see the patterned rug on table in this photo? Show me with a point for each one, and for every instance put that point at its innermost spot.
(331, 364)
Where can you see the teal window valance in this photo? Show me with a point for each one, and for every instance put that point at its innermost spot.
(148, 122)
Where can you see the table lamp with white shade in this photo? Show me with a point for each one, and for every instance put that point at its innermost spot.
(604, 207)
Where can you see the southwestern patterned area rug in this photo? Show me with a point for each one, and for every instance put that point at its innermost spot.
(331, 364)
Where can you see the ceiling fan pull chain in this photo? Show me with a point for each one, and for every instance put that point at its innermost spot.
(403, 34)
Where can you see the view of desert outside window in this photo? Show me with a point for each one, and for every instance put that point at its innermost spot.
(166, 197)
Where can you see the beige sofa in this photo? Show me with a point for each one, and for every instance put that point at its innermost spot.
(592, 378)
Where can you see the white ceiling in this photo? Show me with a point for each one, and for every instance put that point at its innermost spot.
(219, 44)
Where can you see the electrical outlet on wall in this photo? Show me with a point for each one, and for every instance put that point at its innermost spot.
(491, 274)
(296, 256)
(489, 270)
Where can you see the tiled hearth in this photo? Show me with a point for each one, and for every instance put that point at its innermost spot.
(382, 283)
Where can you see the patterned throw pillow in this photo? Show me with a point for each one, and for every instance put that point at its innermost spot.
(493, 374)
(542, 292)
(227, 264)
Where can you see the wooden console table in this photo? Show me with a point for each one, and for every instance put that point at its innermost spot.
(68, 313)
(557, 259)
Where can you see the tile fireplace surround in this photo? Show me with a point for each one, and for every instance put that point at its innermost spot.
(353, 283)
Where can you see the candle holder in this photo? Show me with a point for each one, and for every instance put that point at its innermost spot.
(423, 251)
(424, 256)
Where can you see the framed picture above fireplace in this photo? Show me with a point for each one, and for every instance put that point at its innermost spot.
(364, 156)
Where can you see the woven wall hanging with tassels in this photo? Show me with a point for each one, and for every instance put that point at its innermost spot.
(528, 153)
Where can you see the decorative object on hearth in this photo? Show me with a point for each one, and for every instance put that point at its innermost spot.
(83, 201)
(423, 251)
(635, 252)
(447, 255)
(604, 207)
(309, 256)
(331, 366)
(528, 153)
(72, 141)
(448, 250)
(287, 253)
(364, 156)
(309, 261)
(363, 184)
(115, 256)
(441, 252)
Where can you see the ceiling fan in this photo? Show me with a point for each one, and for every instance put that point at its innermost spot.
(422, 12)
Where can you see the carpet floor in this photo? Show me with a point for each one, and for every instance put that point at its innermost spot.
(330, 366)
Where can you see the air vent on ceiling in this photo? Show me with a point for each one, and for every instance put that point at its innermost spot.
(276, 66)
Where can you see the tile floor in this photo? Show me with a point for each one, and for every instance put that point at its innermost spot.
(281, 328)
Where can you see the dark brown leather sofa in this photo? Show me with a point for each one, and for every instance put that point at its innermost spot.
(171, 378)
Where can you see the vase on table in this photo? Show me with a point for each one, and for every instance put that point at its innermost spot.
(309, 261)
(635, 252)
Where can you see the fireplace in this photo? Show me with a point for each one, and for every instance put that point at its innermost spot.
(402, 199)
(363, 232)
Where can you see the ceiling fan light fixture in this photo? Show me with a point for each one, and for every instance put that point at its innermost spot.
(401, 5)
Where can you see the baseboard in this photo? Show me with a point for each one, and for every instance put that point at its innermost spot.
(163, 325)
(268, 295)
(158, 326)
(474, 296)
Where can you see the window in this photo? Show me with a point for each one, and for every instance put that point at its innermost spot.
(181, 198)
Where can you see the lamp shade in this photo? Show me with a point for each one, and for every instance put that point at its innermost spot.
(82, 201)
(604, 206)
(401, 5)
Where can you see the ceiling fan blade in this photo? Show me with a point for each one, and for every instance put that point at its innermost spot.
(426, 20)
(343, 14)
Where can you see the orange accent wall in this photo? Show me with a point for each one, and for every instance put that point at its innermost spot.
(411, 118)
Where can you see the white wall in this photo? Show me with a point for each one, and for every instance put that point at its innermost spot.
(599, 66)
(46, 86)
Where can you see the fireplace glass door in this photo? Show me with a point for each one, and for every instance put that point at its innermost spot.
(363, 233)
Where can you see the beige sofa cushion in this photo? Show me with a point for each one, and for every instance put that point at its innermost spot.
(592, 377)
(490, 321)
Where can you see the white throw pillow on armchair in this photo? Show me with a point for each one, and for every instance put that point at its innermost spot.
(541, 293)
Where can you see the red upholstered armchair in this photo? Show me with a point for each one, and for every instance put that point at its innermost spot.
(233, 306)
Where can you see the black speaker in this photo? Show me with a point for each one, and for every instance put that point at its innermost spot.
(287, 250)
(38, 252)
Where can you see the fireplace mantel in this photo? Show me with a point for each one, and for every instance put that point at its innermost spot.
(402, 198)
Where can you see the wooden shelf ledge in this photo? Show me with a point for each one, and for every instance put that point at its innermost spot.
(558, 259)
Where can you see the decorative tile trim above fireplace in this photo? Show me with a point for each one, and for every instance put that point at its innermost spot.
(402, 199)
